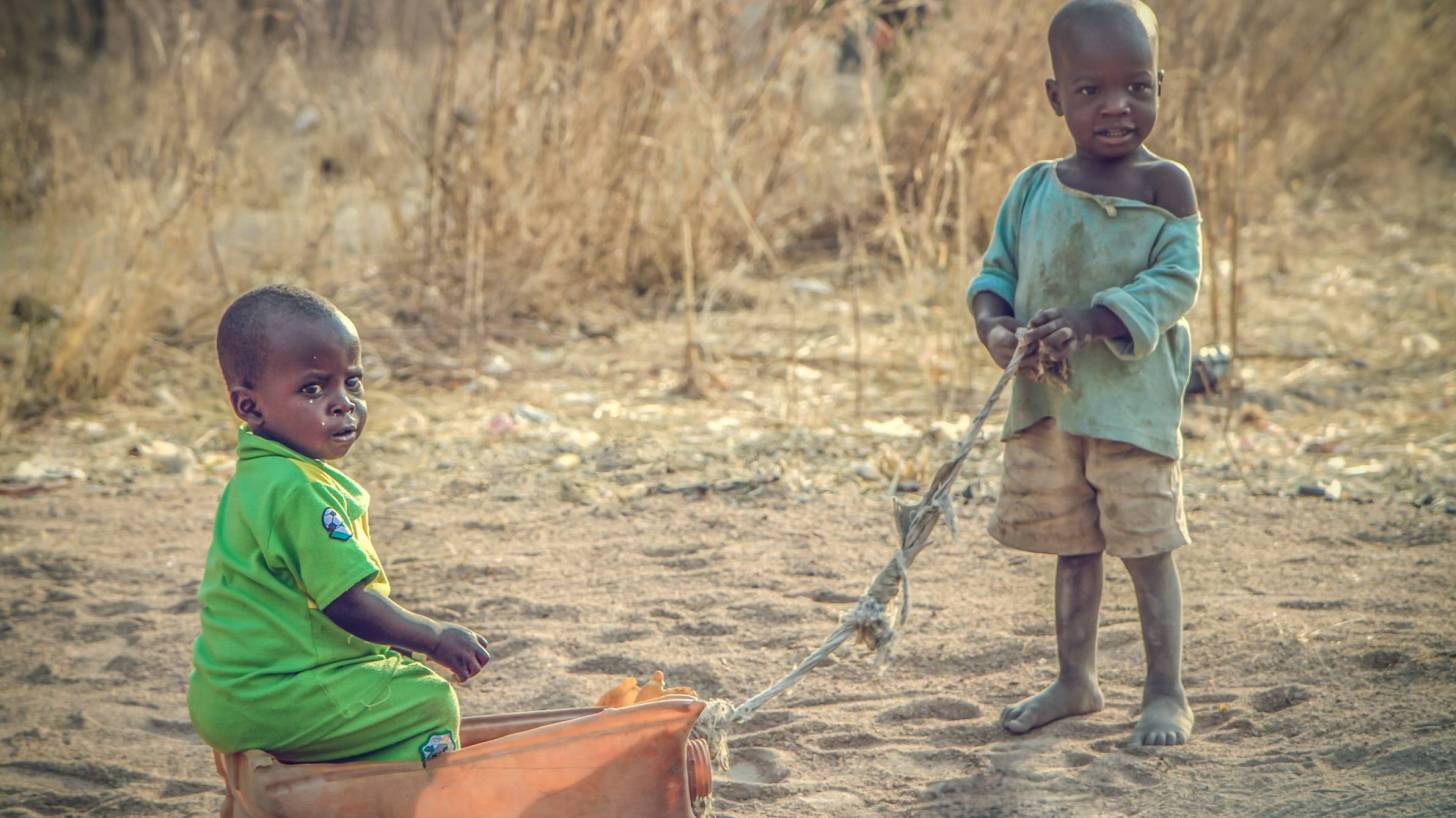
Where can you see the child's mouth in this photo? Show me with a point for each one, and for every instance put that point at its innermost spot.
(346, 435)
(1114, 135)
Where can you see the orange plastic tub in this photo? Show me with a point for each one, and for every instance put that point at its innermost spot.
(590, 762)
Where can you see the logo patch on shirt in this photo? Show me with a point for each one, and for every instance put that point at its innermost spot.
(436, 745)
(334, 524)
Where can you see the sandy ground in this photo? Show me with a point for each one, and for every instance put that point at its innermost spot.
(1321, 636)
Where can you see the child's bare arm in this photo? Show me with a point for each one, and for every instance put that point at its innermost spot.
(375, 617)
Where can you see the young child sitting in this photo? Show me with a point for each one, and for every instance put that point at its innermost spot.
(1096, 256)
(302, 652)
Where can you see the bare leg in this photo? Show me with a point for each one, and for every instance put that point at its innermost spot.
(1079, 596)
(1167, 718)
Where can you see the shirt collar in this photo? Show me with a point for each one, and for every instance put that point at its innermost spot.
(253, 445)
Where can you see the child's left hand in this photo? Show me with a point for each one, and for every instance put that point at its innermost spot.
(1060, 331)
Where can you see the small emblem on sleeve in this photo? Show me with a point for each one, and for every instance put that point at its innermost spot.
(334, 524)
(436, 745)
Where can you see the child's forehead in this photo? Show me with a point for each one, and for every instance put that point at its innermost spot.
(294, 343)
(1102, 33)
(1120, 42)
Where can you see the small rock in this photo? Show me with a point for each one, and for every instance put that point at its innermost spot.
(1309, 490)
(39, 471)
(307, 120)
(530, 414)
(946, 431)
(567, 439)
(894, 427)
(566, 462)
(482, 383)
(167, 456)
(501, 424)
(721, 425)
(865, 471)
(498, 367)
(1451, 508)
(1421, 345)
(811, 286)
(1334, 490)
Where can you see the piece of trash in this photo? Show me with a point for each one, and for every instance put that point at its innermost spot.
(1310, 490)
(894, 427)
(1210, 370)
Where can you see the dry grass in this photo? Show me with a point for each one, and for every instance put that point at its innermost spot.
(446, 165)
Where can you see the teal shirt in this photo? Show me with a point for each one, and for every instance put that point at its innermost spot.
(1055, 246)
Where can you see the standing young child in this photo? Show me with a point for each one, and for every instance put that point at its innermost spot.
(1097, 256)
(302, 652)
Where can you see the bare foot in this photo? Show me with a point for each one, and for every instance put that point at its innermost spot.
(1167, 720)
(1061, 699)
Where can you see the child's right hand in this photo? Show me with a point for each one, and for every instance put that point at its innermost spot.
(461, 650)
(999, 337)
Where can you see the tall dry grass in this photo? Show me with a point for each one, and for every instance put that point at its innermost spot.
(452, 163)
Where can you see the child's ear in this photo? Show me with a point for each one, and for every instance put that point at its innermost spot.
(245, 405)
(1054, 96)
(1160, 82)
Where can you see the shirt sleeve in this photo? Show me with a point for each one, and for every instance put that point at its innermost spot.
(315, 540)
(998, 266)
(1159, 296)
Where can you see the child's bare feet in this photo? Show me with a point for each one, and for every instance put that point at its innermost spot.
(1166, 720)
(1061, 699)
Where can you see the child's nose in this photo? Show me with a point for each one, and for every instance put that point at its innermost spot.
(1115, 103)
(342, 405)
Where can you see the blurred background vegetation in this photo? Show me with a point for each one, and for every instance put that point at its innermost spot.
(453, 168)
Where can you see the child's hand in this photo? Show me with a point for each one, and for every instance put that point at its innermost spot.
(999, 337)
(460, 650)
(1063, 330)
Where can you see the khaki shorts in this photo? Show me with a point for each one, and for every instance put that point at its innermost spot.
(1068, 495)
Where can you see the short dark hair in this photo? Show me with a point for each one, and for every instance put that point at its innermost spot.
(1075, 12)
(242, 334)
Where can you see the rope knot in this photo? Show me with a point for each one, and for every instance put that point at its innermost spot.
(871, 624)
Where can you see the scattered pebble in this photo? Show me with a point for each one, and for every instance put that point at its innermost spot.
(566, 462)
(497, 367)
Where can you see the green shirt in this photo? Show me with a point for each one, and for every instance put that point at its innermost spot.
(291, 535)
(1055, 246)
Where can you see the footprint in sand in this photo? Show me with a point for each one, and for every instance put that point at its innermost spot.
(941, 708)
(1276, 699)
(1383, 659)
(752, 775)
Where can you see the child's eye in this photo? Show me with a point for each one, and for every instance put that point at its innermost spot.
(1088, 90)
(313, 390)
(354, 384)
(1140, 87)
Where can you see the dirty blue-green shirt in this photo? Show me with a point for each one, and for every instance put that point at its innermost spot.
(1055, 246)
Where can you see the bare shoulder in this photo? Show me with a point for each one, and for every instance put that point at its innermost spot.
(1173, 188)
